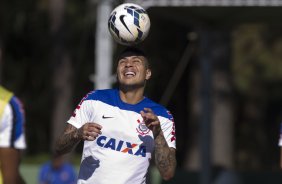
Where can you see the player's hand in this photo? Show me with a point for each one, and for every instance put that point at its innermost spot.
(89, 131)
(151, 121)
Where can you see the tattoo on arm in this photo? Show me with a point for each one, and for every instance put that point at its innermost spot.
(164, 156)
(68, 140)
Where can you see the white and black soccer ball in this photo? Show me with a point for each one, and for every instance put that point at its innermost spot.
(129, 24)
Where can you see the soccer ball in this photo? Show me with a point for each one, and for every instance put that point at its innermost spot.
(129, 24)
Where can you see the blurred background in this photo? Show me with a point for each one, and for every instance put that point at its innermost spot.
(216, 66)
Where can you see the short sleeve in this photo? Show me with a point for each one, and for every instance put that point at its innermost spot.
(168, 129)
(13, 125)
(83, 113)
(6, 126)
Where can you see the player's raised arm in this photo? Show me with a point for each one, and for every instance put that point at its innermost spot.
(72, 136)
(164, 155)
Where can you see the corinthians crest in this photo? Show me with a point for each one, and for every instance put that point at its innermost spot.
(142, 129)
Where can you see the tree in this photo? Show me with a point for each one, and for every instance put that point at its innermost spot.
(63, 69)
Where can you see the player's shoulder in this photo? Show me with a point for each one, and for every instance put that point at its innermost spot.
(158, 109)
(15, 101)
(17, 107)
(45, 167)
(101, 95)
(5, 96)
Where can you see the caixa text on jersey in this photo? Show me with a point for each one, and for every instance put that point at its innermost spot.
(121, 146)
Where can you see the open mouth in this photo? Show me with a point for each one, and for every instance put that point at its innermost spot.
(130, 74)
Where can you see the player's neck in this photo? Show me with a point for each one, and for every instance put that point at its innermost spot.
(131, 96)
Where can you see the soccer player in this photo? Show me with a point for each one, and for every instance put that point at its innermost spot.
(12, 137)
(57, 171)
(121, 129)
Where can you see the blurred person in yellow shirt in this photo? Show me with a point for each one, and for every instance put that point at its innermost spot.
(12, 137)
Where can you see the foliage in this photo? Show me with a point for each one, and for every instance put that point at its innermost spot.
(27, 43)
(257, 56)
(257, 71)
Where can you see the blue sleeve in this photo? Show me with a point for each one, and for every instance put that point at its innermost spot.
(18, 117)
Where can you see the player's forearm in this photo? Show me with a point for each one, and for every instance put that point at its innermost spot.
(164, 157)
(67, 142)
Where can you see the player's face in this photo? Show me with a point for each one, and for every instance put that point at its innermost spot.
(133, 70)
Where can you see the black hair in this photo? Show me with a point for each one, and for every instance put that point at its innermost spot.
(128, 51)
(133, 51)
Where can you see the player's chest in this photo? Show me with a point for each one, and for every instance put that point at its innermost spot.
(121, 122)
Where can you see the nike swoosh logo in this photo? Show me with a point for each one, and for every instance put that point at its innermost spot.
(106, 117)
(122, 21)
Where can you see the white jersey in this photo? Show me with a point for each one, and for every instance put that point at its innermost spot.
(12, 125)
(122, 153)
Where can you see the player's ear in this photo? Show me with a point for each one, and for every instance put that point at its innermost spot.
(148, 74)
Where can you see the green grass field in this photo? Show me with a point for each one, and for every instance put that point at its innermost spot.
(30, 166)
(30, 172)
